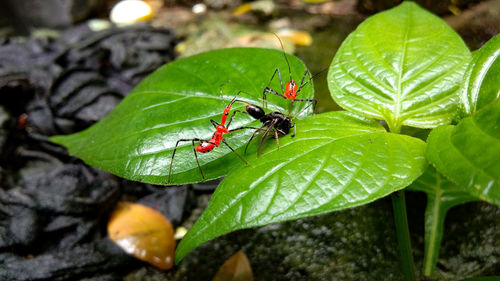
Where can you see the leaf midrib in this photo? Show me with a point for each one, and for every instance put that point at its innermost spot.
(267, 175)
(400, 72)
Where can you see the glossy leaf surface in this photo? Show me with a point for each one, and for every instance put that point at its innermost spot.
(137, 138)
(441, 196)
(236, 268)
(335, 161)
(144, 233)
(403, 65)
(482, 78)
(468, 153)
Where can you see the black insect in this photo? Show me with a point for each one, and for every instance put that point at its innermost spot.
(275, 122)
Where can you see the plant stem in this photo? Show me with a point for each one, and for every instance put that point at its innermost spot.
(401, 222)
(434, 221)
(403, 234)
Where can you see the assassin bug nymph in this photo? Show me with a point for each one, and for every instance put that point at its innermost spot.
(291, 89)
(206, 146)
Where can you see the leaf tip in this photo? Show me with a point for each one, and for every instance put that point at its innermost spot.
(183, 248)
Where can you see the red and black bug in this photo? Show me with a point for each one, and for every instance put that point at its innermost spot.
(291, 89)
(275, 122)
(217, 138)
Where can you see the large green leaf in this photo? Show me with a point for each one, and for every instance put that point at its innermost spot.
(441, 196)
(137, 138)
(469, 153)
(403, 65)
(482, 78)
(336, 161)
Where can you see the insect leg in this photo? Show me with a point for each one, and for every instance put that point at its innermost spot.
(253, 135)
(266, 133)
(232, 116)
(302, 84)
(173, 155)
(242, 159)
(215, 124)
(267, 88)
(245, 127)
(198, 162)
(304, 109)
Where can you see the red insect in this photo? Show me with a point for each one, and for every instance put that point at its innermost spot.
(206, 146)
(291, 89)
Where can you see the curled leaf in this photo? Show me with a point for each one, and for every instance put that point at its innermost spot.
(144, 233)
(481, 80)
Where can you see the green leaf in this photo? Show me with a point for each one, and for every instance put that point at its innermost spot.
(335, 161)
(137, 138)
(481, 84)
(403, 65)
(468, 153)
(441, 196)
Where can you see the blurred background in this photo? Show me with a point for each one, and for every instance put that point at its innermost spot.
(64, 64)
(312, 29)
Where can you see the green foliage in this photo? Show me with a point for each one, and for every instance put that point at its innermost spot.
(482, 85)
(468, 153)
(402, 66)
(137, 138)
(336, 161)
(441, 196)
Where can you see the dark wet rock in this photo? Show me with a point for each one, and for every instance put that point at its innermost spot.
(355, 244)
(30, 60)
(206, 186)
(97, 110)
(471, 242)
(86, 260)
(137, 189)
(147, 273)
(53, 208)
(28, 14)
(40, 118)
(107, 277)
(23, 225)
(70, 189)
(70, 82)
(170, 202)
(19, 226)
(57, 206)
(82, 231)
(4, 117)
(75, 80)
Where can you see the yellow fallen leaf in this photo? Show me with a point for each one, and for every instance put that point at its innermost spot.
(236, 268)
(245, 8)
(144, 233)
(299, 38)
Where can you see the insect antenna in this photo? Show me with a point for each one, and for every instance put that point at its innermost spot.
(221, 95)
(311, 78)
(284, 54)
